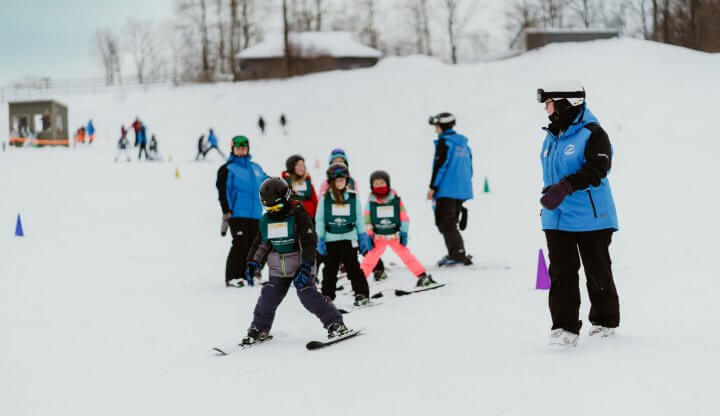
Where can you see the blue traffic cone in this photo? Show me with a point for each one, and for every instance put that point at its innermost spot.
(18, 227)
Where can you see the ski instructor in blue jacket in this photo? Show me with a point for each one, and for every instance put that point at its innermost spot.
(238, 184)
(450, 186)
(578, 214)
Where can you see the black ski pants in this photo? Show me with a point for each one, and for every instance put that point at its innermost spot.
(243, 232)
(343, 252)
(447, 216)
(140, 152)
(566, 249)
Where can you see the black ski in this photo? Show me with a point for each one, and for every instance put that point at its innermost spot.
(220, 351)
(314, 345)
(399, 292)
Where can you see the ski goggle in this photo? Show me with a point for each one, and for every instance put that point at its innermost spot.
(240, 141)
(543, 96)
(434, 120)
(275, 208)
(338, 172)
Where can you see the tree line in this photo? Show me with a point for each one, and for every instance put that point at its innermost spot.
(199, 44)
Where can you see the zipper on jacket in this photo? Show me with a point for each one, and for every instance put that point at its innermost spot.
(282, 265)
(592, 203)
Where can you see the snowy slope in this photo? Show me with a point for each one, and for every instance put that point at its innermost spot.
(109, 304)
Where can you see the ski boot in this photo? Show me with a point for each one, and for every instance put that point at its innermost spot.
(447, 261)
(603, 331)
(379, 275)
(337, 329)
(361, 300)
(254, 335)
(425, 280)
(235, 283)
(560, 338)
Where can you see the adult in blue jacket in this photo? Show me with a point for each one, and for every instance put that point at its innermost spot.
(450, 186)
(578, 214)
(142, 142)
(238, 184)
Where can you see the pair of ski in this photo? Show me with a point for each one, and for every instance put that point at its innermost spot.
(380, 294)
(312, 345)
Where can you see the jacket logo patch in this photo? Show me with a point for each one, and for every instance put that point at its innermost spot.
(569, 149)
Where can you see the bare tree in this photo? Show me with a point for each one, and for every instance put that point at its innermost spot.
(318, 15)
(220, 24)
(587, 11)
(552, 12)
(286, 38)
(522, 14)
(455, 25)
(106, 45)
(642, 10)
(420, 14)
(141, 42)
(369, 32)
(196, 12)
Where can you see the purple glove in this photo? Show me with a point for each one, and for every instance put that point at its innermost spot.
(555, 194)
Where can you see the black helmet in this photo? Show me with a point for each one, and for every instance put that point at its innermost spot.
(274, 191)
(337, 170)
(291, 162)
(380, 174)
(446, 121)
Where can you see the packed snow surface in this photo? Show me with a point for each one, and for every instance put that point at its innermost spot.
(110, 303)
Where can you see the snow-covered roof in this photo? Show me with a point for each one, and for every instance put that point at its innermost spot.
(309, 44)
(571, 30)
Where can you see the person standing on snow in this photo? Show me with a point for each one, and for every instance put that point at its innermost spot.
(450, 186)
(201, 147)
(578, 214)
(261, 125)
(287, 240)
(298, 179)
(123, 148)
(142, 142)
(340, 228)
(91, 131)
(238, 183)
(387, 224)
(136, 125)
(213, 140)
(283, 123)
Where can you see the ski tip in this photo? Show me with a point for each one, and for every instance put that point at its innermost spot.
(377, 295)
(218, 352)
(343, 311)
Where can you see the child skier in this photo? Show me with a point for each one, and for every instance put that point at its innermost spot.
(123, 148)
(387, 225)
(339, 156)
(287, 240)
(339, 226)
(298, 179)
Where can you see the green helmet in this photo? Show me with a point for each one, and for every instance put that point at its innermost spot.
(240, 141)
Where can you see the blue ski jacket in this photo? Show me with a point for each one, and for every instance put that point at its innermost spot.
(454, 178)
(562, 155)
(242, 187)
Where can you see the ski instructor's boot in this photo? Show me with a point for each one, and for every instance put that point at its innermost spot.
(254, 335)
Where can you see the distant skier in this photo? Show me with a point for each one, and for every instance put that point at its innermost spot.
(142, 142)
(153, 149)
(201, 147)
(261, 125)
(387, 224)
(238, 183)
(300, 183)
(123, 144)
(123, 131)
(136, 125)
(80, 135)
(450, 186)
(283, 124)
(340, 227)
(287, 240)
(578, 215)
(91, 131)
(213, 141)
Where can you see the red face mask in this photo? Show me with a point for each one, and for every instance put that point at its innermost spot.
(381, 190)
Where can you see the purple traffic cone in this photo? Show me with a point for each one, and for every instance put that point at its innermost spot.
(543, 278)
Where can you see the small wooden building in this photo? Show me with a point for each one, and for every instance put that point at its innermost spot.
(531, 38)
(42, 123)
(310, 52)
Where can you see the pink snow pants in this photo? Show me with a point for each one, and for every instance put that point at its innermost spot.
(381, 244)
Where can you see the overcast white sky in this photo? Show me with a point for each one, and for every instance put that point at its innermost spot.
(53, 37)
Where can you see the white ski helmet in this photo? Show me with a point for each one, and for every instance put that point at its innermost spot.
(573, 91)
